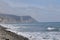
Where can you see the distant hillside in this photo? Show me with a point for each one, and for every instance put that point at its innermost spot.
(6, 18)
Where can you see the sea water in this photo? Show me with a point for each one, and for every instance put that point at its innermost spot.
(36, 31)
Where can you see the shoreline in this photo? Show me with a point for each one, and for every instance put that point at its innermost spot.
(8, 35)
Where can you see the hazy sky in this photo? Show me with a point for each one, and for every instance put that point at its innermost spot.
(41, 10)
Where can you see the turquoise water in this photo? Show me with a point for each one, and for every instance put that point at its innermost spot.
(36, 27)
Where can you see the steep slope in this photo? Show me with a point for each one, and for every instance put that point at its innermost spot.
(7, 18)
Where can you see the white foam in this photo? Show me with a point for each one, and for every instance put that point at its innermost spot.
(41, 35)
(10, 26)
(36, 35)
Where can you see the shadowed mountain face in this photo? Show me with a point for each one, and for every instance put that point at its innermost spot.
(6, 18)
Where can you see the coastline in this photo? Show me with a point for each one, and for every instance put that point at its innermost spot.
(8, 35)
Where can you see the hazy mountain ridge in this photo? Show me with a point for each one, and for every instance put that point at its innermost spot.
(7, 18)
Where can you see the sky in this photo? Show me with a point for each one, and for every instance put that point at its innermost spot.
(41, 10)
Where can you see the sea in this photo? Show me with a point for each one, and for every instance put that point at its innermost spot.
(36, 31)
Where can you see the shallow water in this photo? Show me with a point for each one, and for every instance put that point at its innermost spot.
(36, 31)
(41, 35)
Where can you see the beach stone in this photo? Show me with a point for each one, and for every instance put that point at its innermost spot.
(7, 35)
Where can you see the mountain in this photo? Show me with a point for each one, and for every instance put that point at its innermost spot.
(7, 18)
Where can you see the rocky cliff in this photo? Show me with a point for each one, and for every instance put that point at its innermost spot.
(6, 18)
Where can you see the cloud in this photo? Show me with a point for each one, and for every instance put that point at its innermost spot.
(4, 7)
(41, 13)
